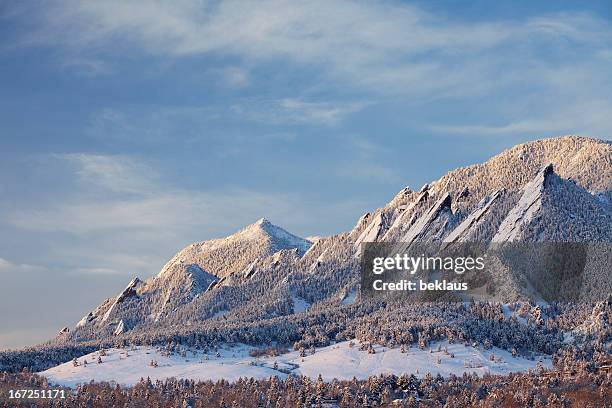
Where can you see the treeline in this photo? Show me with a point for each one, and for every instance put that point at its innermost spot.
(522, 328)
(541, 389)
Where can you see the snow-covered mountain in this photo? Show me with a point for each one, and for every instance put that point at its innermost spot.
(556, 189)
(199, 267)
(226, 256)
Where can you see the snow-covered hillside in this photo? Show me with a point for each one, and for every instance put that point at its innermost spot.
(341, 361)
(263, 285)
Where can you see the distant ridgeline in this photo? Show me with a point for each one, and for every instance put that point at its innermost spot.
(263, 284)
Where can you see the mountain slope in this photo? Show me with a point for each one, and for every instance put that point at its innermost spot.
(554, 209)
(190, 273)
(553, 189)
(222, 257)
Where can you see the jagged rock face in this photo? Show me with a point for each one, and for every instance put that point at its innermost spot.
(121, 328)
(439, 213)
(372, 231)
(130, 290)
(528, 206)
(465, 230)
(406, 215)
(553, 209)
(175, 285)
(586, 162)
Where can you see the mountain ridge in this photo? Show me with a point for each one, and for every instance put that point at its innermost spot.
(257, 272)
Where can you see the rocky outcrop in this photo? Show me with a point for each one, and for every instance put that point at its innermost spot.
(371, 232)
(522, 214)
(463, 229)
(121, 328)
(405, 216)
(129, 292)
(513, 196)
(441, 208)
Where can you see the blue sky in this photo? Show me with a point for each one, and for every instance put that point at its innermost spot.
(130, 129)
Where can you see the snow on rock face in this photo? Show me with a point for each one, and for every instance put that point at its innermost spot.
(199, 268)
(422, 224)
(189, 277)
(522, 214)
(121, 328)
(176, 285)
(128, 292)
(371, 232)
(339, 361)
(402, 198)
(243, 252)
(86, 319)
(226, 256)
(402, 218)
(585, 160)
(463, 228)
(282, 239)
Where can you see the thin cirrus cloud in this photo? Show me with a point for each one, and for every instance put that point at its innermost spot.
(8, 266)
(156, 124)
(378, 45)
(587, 118)
(296, 111)
(112, 173)
(119, 194)
(386, 52)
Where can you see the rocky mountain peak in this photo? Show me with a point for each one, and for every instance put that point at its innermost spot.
(262, 222)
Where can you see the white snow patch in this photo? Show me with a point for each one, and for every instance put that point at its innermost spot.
(509, 313)
(336, 361)
(220, 313)
(299, 305)
(341, 361)
(472, 219)
(350, 298)
(232, 364)
(525, 210)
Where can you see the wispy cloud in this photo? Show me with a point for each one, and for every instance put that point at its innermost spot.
(152, 124)
(8, 266)
(123, 218)
(587, 118)
(236, 76)
(296, 111)
(384, 45)
(343, 53)
(367, 172)
(112, 173)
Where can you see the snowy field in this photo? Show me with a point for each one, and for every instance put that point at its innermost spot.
(336, 361)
